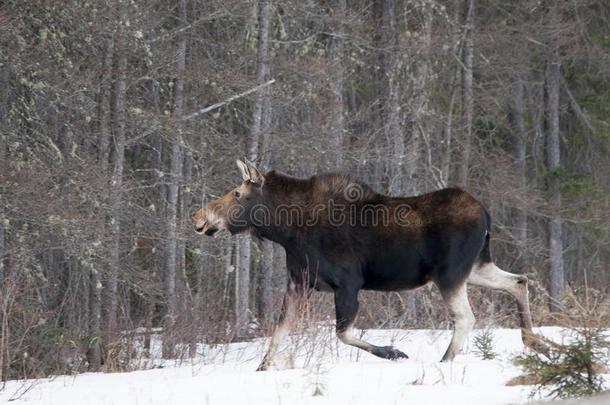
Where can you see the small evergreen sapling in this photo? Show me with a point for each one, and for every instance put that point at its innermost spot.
(569, 370)
(484, 345)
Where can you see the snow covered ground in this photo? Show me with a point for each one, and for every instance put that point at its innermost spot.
(325, 372)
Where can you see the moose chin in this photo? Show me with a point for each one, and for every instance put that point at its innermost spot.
(341, 237)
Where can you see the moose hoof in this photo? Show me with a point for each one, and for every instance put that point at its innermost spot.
(538, 346)
(388, 352)
(535, 342)
(448, 356)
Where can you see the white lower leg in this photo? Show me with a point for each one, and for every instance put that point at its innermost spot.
(386, 352)
(463, 318)
(276, 339)
(287, 321)
(491, 276)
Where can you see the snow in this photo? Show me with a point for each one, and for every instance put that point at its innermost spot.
(325, 372)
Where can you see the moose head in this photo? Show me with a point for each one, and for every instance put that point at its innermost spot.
(232, 212)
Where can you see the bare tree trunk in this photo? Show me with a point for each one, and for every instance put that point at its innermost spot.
(399, 164)
(448, 134)
(160, 193)
(204, 246)
(447, 174)
(417, 123)
(467, 99)
(176, 164)
(268, 251)
(520, 157)
(337, 78)
(244, 248)
(262, 76)
(116, 184)
(266, 301)
(104, 110)
(392, 66)
(553, 157)
(242, 284)
(5, 77)
(94, 351)
(2, 244)
(227, 256)
(187, 293)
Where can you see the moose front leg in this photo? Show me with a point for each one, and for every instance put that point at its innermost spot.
(346, 306)
(288, 315)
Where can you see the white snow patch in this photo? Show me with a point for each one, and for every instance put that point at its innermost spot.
(225, 374)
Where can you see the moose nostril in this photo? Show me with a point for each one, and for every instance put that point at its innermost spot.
(199, 229)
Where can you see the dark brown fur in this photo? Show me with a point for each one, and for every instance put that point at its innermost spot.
(435, 237)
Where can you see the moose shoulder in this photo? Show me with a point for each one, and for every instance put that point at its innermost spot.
(340, 236)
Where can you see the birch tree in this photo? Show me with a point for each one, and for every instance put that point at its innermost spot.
(176, 167)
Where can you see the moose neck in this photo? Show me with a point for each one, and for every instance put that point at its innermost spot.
(285, 208)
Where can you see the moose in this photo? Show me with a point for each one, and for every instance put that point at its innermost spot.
(341, 237)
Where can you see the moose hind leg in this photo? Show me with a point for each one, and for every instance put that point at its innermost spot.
(491, 276)
(463, 319)
(346, 306)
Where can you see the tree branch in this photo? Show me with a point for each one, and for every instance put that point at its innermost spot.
(202, 111)
(574, 104)
(227, 101)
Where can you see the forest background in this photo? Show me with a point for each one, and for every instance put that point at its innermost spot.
(107, 149)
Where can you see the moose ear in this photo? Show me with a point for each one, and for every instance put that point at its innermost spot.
(256, 176)
(249, 172)
(243, 169)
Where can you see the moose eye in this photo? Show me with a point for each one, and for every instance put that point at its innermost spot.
(237, 194)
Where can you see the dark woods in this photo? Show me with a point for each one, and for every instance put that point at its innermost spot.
(105, 155)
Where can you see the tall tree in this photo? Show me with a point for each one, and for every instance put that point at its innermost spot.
(399, 164)
(5, 76)
(552, 82)
(337, 79)
(260, 115)
(111, 290)
(520, 153)
(105, 90)
(176, 167)
(417, 122)
(463, 160)
(259, 125)
(392, 65)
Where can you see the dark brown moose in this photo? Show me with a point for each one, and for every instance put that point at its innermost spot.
(341, 237)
